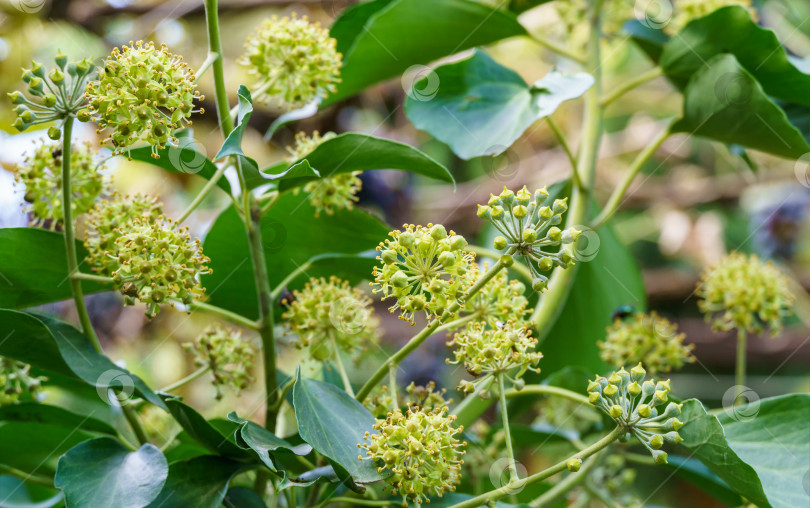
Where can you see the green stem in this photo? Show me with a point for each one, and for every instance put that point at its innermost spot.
(347, 385)
(740, 369)
(517, 485)
(209, 60)
(567, 483)
(520, 268)
(27, 477)
(186, 380)
(70, 238)
(260, 483)
(619, 192)
(353, 501)
(132, 418)
(510, 452)
(276, 292)
(557, 48)
(631, 84)
(95, 278)
(548, 390)
(215, 46)
(392, 386)
(209, 185)
(564, 144)
(232, 316)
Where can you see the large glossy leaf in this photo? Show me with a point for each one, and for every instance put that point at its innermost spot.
(204, 432)
(334, 424)
(102, 472)
(36, 447)
(370, 36)
(200, 482)
(53, 345)
(291, 235)
(251, 436)
(33, 268)
(724, 102)
(34, 412)
(695, 472)
(481, 107)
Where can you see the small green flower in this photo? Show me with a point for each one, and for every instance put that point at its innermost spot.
(228, 356)
(424, 269)
(143, 93)
(41, 174)
(106, 222)
(421, 449)
(529, 229)
(745, 293)
(634, 403)
(649, 339)
(16, 380)
(499, 301)
(293, 61)
(158, 263)
(326, 311)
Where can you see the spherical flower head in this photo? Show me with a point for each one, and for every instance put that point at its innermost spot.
(158, 263)
(305, 145)
(499, 301)
(421, 448)
(650, 339)
(745, 293)
(143, 93)
(227, 355)
(106, 222)
(640, 407)
(575, 24)
(424, 397)
(424, 269)
(16, 381)
(501, 350)
(41, 174)
(293, 61)
(687, 10)
(329, 314)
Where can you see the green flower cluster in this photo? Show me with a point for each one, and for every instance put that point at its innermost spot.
(107, 220)
(633, 404)
(688, 10)
(329, 314)
(421, 449)
(649, 339)
(499, 301)
(143, 93)
(500, 350)
(329, 193)
(293, 60)
(57, 95)
(158, 263)
(529, 228)
(424, 269)
(745, 293)
(15, 380)
(41, 174)
(228, 356)
(424, 397)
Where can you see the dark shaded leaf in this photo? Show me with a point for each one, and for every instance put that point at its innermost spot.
(251, 436)
(34, 412)
(200, 482)
(204, 432)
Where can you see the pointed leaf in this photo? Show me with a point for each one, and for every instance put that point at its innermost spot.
(200, 482)
(251, 436)
(204, 432)
(42, 413)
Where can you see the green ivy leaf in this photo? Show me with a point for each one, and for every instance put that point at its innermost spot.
(243, 497)
(696, 473)
(15, 493)
(204, 432)
(200, 482)
(370, 36)
(334, 424)
(102, 472)
(481, 107)
(35, 447)
(250, 436)
(35, 412)
(33, 268)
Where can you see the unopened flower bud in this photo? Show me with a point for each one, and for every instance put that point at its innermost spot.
(529, 235)
(574, 464)
(499, 243)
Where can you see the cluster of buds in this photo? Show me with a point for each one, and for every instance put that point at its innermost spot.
(107, 221)
(226, 354)
(688, 10)
(649, 339)
(329, 314)
(499, 301)
(424, 269)
(58, 94)
(745, 293)
(634, 403)
(421, 449)
(41, 174)
(293, 60)
(424, 397)
(507, 350)
(15, 380)
(158, 263)
(143, 93)
(329, 193)
(529, 229)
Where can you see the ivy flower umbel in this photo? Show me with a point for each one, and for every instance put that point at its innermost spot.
(499, 301)
(330, 192)
(16, 379)
(649, 339)
(329, 314)
(745, 293)
(634, 403)
(41, 174)
(424, 269)
(158, 263)
(421, 449)
(529, 229)
(293, 60)
(57, 94)
(143, 93)
(228, 356)
(107, 221)
(424, 397)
